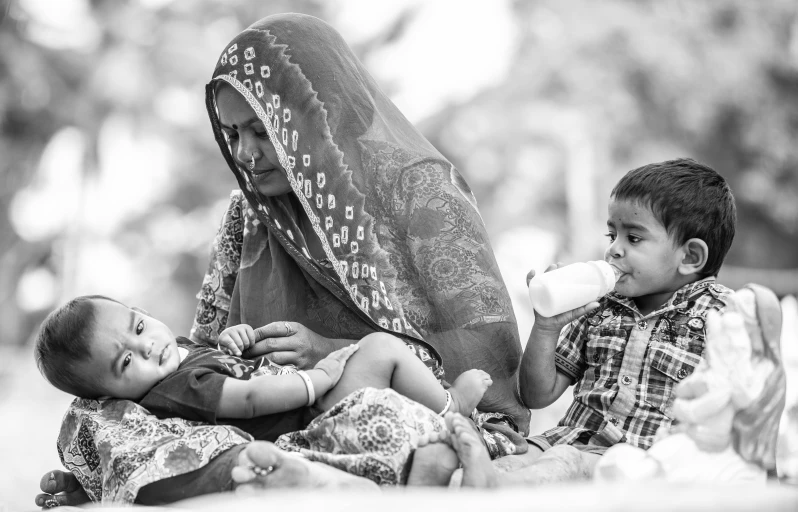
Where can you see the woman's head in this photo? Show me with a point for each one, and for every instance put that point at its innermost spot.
(249, 143)
(307, 97)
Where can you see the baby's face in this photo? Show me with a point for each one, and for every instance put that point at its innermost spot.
(130, 351)
(642, 251)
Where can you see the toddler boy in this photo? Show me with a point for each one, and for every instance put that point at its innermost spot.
(670, 226)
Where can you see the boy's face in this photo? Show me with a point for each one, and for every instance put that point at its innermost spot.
(642, 251)
(130, 351)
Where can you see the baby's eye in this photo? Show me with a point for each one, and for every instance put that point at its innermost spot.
(611, 236)
(633, 239)
(140, 327)
(126, 361)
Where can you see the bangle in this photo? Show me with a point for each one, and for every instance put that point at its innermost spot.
(309, 386)
(448, 404)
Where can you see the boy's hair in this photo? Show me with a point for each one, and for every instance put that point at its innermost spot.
(64, 340)
(690, 199)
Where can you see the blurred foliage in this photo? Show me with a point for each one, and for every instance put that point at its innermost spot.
(608, 85)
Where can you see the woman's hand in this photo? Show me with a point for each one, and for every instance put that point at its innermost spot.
(557, 322)
(236, 339)
(292, 343)
(60, 488)
(333, 365)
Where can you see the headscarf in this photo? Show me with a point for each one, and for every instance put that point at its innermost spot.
(405, 249)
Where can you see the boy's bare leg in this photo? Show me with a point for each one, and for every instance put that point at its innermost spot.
(478, 471)
(384, 361)
(561, 463)
(274, 469)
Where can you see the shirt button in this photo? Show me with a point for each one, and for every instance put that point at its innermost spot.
(613, 420)
(682, 373)
(641, 324)
(626, 380)
(596, 358)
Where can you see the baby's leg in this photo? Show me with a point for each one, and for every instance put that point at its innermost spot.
(384, 361)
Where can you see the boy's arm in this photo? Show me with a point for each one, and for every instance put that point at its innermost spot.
(269, 394)
(540, 383)
(540, 380)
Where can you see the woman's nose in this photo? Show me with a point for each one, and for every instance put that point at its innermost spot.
(245, 151)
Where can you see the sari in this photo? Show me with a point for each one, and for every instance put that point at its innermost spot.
(405, 250)
(116, 447)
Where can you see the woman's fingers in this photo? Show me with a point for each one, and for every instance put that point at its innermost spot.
(529, 276)
(269, 345)
(275, 330)
(285, 357)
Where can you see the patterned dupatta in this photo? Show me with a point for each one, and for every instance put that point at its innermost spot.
(115, 447)
(405, 249)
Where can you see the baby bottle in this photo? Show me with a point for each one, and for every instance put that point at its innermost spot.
(570, 287)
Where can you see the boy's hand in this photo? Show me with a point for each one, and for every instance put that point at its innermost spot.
(333, 365)
(557, 322)
(234, 340)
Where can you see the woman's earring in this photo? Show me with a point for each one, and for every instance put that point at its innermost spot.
(252, 162)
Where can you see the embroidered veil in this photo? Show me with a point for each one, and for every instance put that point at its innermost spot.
(405, 249)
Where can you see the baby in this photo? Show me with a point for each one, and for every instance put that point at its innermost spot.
(96, 347)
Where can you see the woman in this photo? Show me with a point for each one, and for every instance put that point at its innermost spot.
(348, 222)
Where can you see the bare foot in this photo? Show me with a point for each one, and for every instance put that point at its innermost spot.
(477, 468)
(433, 465)
(467, 391)
(263, 465)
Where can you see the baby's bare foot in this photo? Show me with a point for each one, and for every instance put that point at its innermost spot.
(467, 391)
(477, 468)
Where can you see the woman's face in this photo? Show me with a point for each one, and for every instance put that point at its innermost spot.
(248, 138)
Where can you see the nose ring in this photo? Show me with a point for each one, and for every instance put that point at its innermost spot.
(252, 162)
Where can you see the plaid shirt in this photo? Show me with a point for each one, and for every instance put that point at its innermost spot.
(626, 365)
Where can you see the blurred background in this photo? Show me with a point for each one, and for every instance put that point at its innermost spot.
(111, 181)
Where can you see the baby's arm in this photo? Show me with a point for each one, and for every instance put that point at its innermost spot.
(270, 394)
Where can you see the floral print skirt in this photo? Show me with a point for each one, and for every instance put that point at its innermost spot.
(371, 433)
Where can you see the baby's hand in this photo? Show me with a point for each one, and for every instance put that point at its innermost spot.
(234, 340)
(333, 364)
